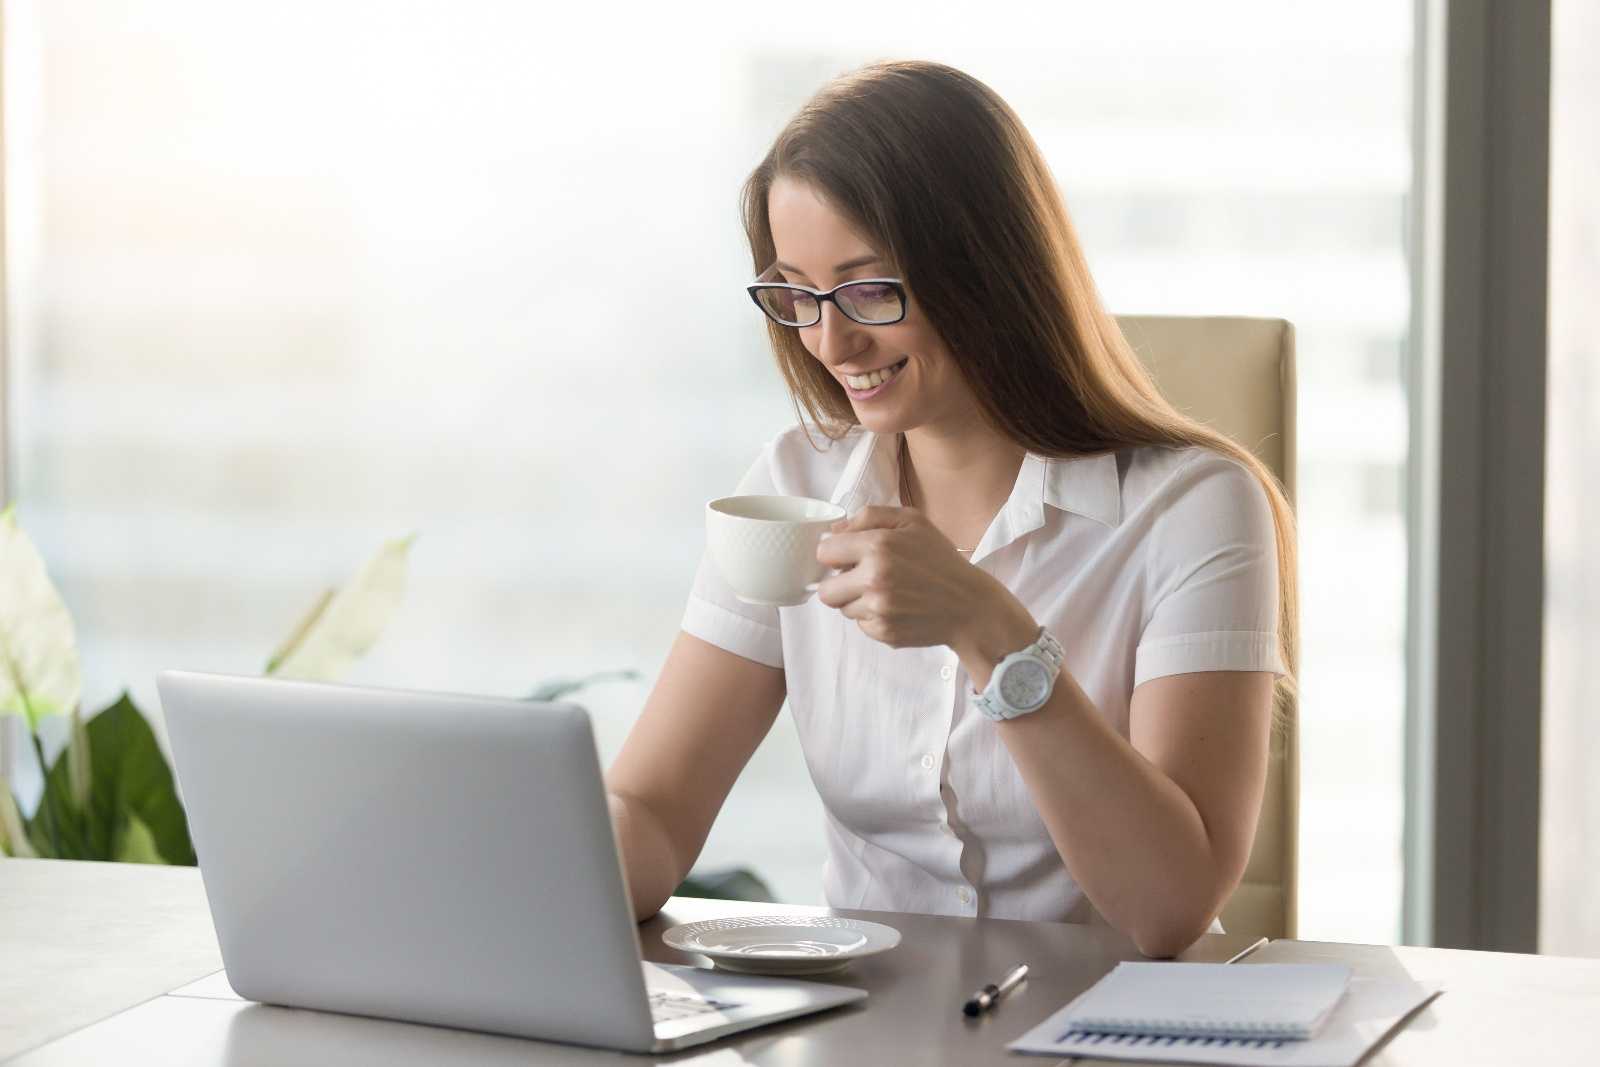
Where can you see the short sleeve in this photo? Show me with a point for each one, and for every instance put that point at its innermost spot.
(718, 617)
(1212, 566)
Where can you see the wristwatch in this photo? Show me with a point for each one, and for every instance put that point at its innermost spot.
(1022, 681)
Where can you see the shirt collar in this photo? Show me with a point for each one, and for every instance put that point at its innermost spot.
(1089, 486)
(870, 475)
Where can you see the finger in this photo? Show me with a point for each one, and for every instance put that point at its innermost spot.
(871, 621)
(874, 517)
(860, 609)
(845, 549)
(838, 590)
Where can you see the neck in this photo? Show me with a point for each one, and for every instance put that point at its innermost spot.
(959, 477)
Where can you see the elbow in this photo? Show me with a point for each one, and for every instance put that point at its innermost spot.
(1168, 940)
(1182, 919)
(1165, 943)
(645, 853)
(1166, 936)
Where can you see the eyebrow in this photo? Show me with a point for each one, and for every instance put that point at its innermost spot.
(849, 264)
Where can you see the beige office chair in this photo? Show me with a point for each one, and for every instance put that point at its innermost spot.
(1237, 376)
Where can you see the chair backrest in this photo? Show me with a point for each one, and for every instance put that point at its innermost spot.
(1237, 376)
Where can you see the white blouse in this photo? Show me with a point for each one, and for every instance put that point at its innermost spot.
(1143, 563)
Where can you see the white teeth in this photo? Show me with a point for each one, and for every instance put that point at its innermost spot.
(873, 379)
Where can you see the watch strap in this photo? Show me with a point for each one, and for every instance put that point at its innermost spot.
(1045, 649)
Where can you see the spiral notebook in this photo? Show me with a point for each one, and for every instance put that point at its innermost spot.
(1235, 1014)
(1281, 1000)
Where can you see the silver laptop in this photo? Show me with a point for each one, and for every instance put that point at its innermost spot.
(436, 858)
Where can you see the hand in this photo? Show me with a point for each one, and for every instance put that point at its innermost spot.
(902, 580)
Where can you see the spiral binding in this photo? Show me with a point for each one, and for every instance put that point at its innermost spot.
(1155, 1026)
(1078, 1040)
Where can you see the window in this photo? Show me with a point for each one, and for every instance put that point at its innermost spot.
(285, 286)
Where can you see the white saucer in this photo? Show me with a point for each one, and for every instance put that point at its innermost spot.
(783, 944)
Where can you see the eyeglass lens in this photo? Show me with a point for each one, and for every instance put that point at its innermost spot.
(866, 302)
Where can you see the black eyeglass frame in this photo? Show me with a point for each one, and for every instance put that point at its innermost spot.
(821, 297)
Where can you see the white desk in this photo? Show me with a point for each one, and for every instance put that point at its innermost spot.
(87, 950)
(1497, 1008)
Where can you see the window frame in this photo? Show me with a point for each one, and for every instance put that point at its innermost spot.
(1479, 237)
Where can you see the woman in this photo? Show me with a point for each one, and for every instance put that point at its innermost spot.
(1015, 487)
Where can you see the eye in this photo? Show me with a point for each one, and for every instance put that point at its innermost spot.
(872, 302)
(872, 291)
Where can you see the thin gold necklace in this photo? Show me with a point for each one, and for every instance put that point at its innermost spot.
(905, 485)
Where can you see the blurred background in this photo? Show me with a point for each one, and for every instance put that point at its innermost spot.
(286, 281)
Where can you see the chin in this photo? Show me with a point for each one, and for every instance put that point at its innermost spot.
(883, 421)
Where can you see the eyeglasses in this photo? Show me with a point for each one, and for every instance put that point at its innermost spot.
(869, 301)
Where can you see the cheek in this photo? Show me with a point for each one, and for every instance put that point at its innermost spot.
(916, 336)
(910, 340)
(929, 351)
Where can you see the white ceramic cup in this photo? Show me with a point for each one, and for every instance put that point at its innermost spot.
(766, 546)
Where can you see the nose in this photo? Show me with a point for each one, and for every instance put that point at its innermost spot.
(838, 339)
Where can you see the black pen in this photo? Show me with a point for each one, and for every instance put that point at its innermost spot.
(985, 998)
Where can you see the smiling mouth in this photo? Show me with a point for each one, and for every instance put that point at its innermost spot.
(873, 379)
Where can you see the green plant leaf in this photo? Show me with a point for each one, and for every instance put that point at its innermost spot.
(13, 835)
(344, 624)
(78, 761)
(129, 779)
(39, 672)
(557, 688)
(136, 844)
(728, 883)
(301, 628)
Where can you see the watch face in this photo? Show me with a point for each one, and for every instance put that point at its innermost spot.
(1025, 684)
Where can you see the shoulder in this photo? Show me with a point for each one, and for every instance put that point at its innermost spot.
(803, 461)
(1190, 491)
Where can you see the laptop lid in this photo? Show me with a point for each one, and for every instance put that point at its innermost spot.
(434, 857)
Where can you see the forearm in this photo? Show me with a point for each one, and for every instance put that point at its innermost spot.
(649, 862)
(1131, 837)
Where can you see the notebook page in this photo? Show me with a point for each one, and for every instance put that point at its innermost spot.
(1211, 999)
(1370, 1008)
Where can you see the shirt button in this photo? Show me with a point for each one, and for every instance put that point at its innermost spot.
(927, 762)
(947, 672)
(965, 894)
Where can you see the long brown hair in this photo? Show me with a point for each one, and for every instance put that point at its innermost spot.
(939, 172)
